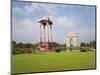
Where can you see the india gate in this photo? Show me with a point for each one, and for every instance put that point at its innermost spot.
(71, 39)
(45, 43)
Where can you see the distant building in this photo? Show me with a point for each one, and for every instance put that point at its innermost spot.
(71, 39)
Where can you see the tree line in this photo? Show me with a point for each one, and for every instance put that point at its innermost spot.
(91, 44)
(22, 48)
(19, 48)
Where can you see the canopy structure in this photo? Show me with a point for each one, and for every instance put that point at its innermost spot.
(45, 43)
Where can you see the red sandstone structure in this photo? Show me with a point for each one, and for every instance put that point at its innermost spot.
(45, 43)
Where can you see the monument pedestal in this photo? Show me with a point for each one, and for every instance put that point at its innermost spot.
(45, 46)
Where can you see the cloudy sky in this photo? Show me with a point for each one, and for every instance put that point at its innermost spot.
(66, 18)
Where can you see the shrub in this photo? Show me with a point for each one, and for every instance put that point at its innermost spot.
(83, 49)
(57, 50)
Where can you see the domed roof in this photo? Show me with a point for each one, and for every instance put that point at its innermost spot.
(45, 19)
(71, 34)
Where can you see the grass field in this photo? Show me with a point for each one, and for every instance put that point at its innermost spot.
(51, 61)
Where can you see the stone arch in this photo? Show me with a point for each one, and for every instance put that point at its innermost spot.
(71, 39)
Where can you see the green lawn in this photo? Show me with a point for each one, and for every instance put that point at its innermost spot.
(51, 61)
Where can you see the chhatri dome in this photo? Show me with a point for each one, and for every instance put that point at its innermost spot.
(46, 20)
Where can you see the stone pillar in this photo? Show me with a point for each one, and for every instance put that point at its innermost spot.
(75, 41)
(46, 33)
(68, 42)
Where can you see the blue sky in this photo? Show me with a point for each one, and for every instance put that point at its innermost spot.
(66, 18)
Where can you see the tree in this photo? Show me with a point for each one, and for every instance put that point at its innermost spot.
(20, 45)
(55, 44)
(92, 44)
(14, 46)
(27, 45)
(88, 46)
(13, 42)
(83, 44)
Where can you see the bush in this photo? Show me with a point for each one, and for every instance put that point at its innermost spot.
(57, 50)
(83, 49)
(17, 51)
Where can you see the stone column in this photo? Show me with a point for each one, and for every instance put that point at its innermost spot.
(75, 41)
(68, 42)
(46, 33)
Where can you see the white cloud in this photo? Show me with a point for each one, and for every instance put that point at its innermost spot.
(63, 25)
(31, 8)
(27, 9)
(17, 10)
(49, 9)
(25, 30)
(66, 22)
